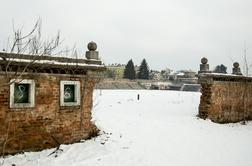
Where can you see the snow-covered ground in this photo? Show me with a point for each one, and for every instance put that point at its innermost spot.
(161, 129)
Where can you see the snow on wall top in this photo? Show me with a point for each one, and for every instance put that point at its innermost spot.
(45, 60)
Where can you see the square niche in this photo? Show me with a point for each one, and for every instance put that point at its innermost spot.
(22, 93)
(69, 93)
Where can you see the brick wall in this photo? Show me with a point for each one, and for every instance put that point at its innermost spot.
(47, 124)
(225, 99)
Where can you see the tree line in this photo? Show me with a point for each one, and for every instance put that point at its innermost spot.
(130, 72)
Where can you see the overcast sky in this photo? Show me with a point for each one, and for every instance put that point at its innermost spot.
(168, 33)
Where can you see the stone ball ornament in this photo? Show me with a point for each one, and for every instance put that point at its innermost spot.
(236, 65)
(204, 60)
(92, 46)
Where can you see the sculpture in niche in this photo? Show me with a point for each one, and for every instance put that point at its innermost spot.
(69, 93)
(21, 93)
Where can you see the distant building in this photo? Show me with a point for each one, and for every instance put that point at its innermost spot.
(155, 75)
(166, 74)
(160, 85)
(114, 71)
(186, 76)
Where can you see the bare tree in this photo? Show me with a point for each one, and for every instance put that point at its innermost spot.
(31, 43)
(246, 68)
(247, 63)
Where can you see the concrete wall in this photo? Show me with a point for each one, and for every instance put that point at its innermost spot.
(48, 123)
(225, 98)
(119, 84)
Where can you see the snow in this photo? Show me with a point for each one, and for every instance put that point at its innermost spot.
(159, 129)
(223, 74)
(55, 62)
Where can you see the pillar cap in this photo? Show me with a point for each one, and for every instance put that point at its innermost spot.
(92, 46)
(236, 65)
(204, 60)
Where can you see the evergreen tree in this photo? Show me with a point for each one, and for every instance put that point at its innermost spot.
(220, 69)
(129, 71)
(143, 72)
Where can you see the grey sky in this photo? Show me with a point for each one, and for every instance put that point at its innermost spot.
(168, 33)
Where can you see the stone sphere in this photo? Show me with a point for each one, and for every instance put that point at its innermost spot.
(204, 60)
(236, 65)
(92, 46)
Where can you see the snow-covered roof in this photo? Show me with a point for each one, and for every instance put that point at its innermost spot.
(180, 74)
(48, 62)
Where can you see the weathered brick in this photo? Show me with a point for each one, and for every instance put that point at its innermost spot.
(47, 123)
(227, 100)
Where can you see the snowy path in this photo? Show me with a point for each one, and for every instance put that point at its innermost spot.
(161, 129)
